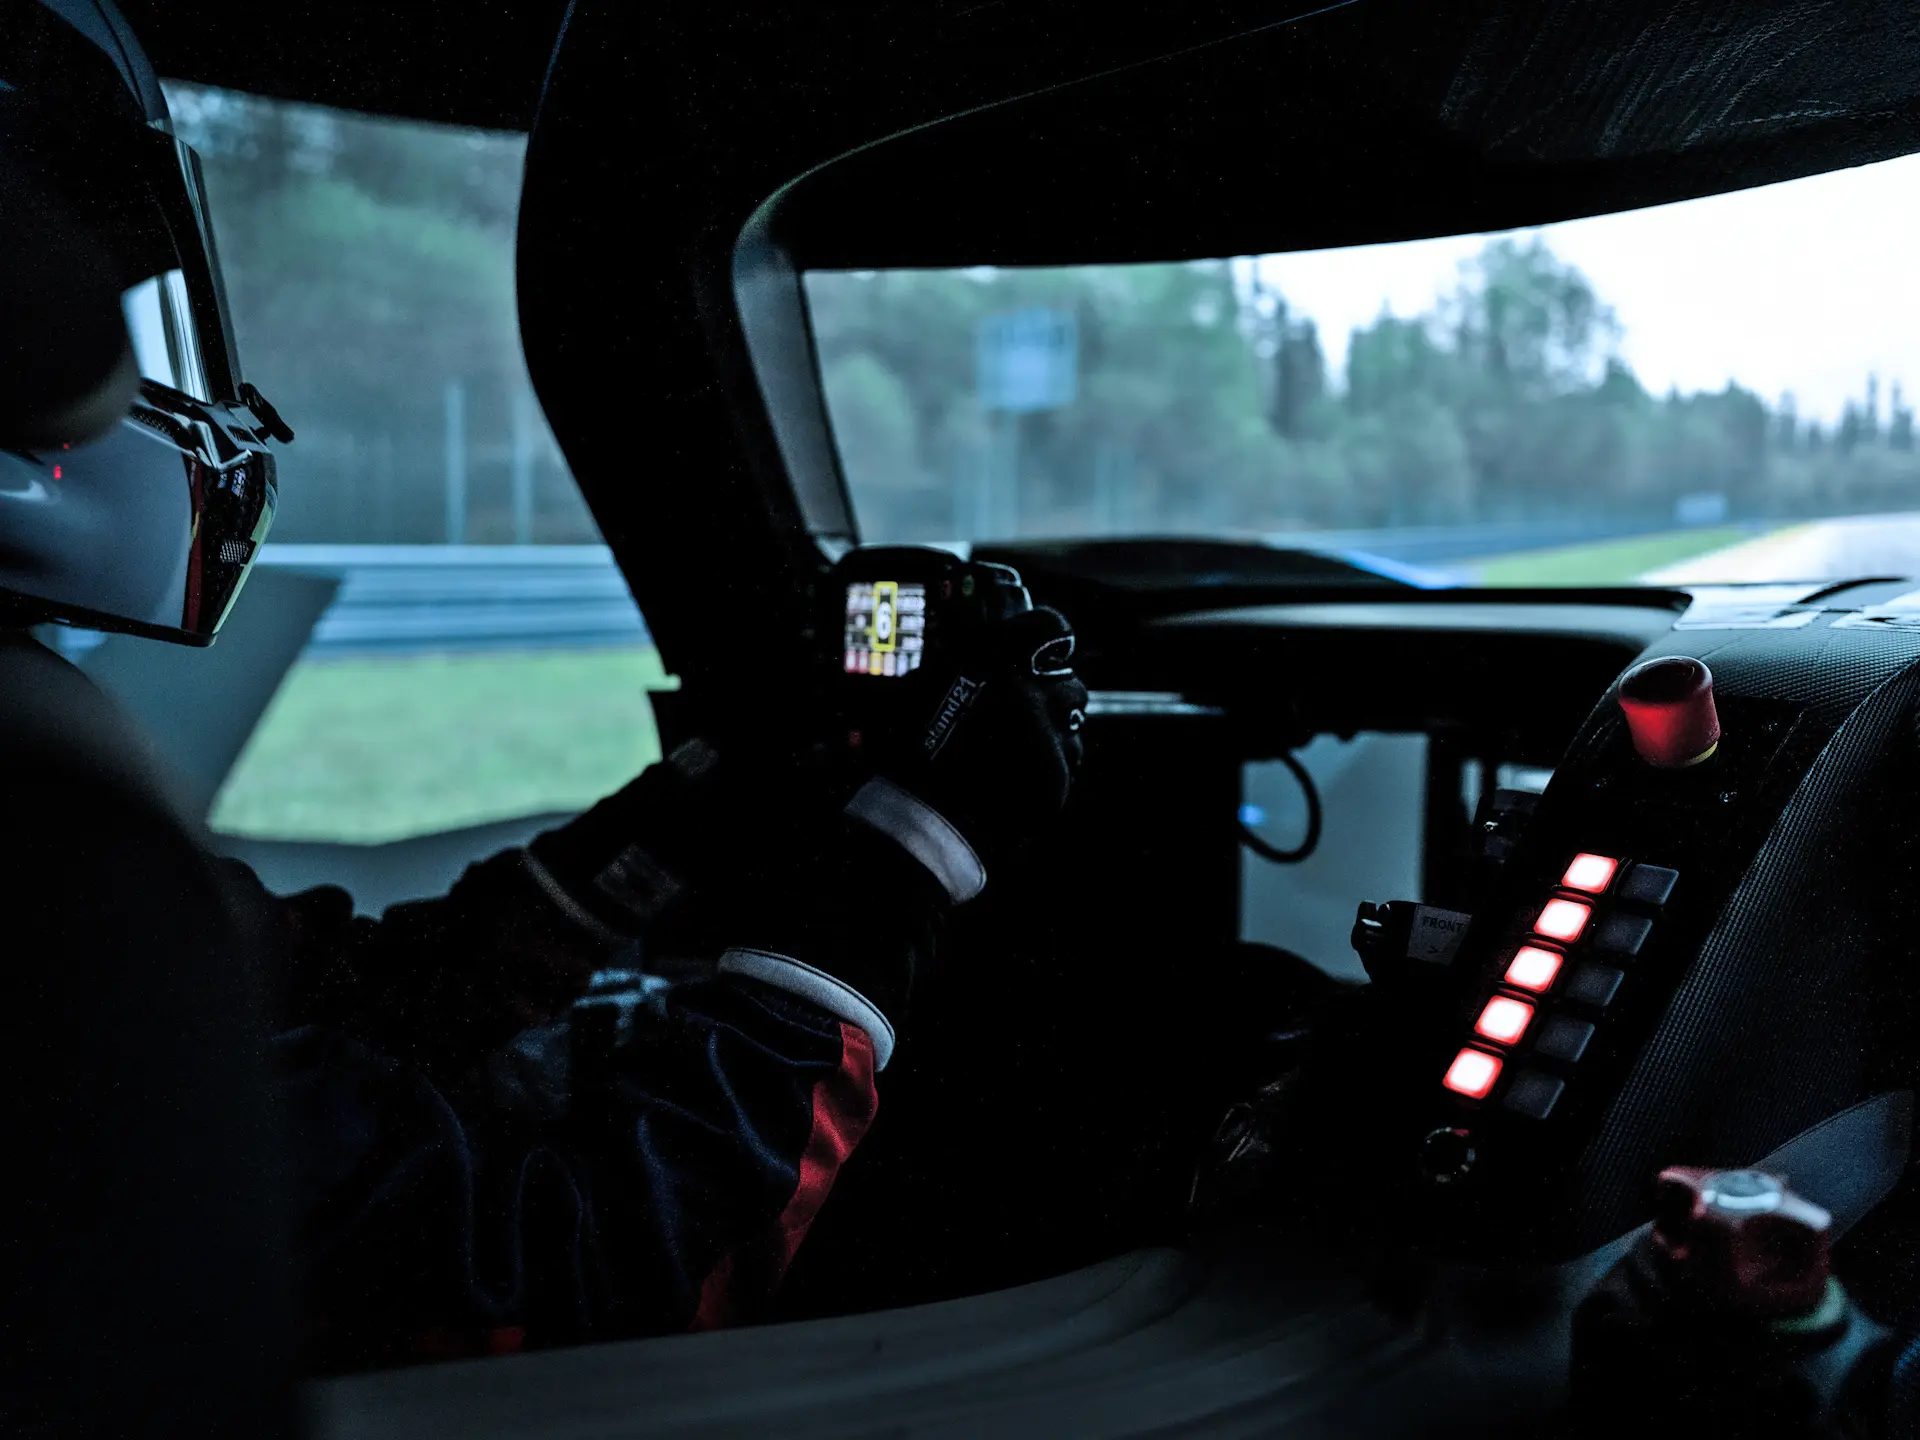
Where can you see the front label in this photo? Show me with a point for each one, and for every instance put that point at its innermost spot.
(1436, 934)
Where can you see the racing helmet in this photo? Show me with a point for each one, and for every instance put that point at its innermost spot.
(145, 516)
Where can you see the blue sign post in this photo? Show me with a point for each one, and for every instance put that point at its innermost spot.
(1025, 361)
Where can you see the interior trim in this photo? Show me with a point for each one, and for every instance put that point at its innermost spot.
(770, 294)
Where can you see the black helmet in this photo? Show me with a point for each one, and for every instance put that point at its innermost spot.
(136, 475)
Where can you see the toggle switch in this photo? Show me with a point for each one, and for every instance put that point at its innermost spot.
(1590, 873)
(1472, 1073)
(1504, 1020)
(1533, 968)
(1562, 920)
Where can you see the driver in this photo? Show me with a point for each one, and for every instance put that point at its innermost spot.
(504, 1127)
(510, 1134)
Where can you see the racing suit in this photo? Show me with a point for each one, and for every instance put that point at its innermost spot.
(480, 1166)
(492, 1152)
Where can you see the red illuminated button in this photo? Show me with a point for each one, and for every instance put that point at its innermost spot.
(1504, 1021)
(1670, 712)
(1563, 920)
(1591, 873)
(1472, 1073)
(1534, 969)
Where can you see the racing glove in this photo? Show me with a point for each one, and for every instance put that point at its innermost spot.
(791, 881)
(1008, 766)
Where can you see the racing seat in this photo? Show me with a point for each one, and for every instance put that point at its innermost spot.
(147, 1288)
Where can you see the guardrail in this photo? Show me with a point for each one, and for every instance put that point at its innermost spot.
(398, 599)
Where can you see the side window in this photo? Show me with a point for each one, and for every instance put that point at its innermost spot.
(455, 644)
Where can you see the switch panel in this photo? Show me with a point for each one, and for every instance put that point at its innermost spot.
(1602, 917)
(1559, 1013)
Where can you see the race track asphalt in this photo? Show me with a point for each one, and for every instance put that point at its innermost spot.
(1856, 546)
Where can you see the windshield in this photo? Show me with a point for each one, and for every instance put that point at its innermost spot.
(435, 638)
(1694, 393)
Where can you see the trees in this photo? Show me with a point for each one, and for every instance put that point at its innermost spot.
(1899, 422)
(1167, 380)
(370, 263)
(1508, 399)
(1527, 324)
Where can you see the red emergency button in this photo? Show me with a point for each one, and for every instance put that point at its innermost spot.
(1472, 1073)
(1590, 873)
(1670, 714)
(1563, 920)
(1504, 1020)
(1534, 969)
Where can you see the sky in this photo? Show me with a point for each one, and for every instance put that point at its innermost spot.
(1803, 287)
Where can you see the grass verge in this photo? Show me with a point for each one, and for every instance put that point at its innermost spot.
(376, 749)
(1606, 562)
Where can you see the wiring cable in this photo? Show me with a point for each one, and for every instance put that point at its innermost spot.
(1310, 842)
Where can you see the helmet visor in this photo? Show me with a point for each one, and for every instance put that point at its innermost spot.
(150, 529)
(153, 527)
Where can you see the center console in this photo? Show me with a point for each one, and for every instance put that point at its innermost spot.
(1698, 948)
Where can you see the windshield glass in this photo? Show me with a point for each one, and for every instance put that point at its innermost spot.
(1697, 392)
(435, 637)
